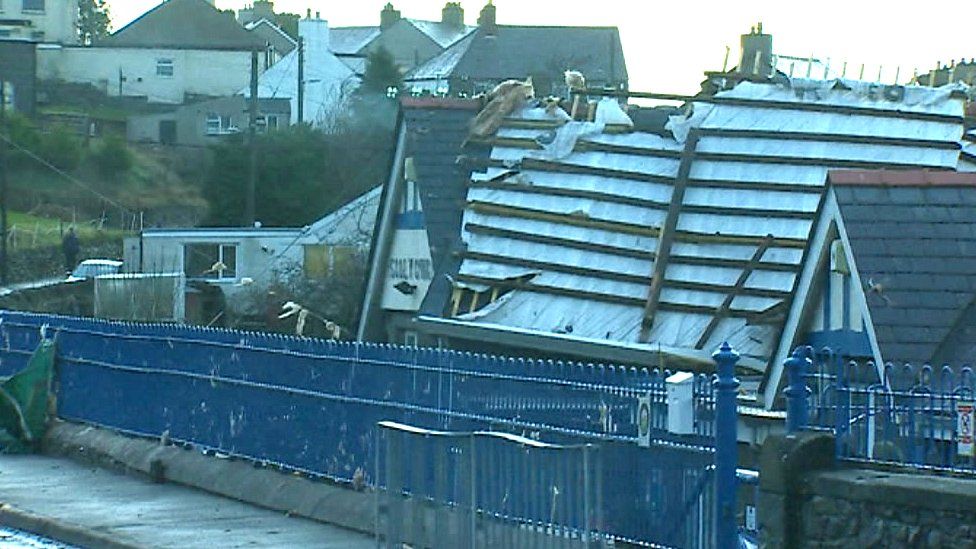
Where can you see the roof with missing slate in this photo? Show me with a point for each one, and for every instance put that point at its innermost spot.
(913, 236)
(184, 24)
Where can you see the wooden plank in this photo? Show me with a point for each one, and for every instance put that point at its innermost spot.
(737, 289)
(831, 138)
(623, 252)
(667, 234)
(564, 219)
(551, 290)
(556, 167)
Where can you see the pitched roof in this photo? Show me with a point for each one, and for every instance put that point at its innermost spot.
(436, 128)
(518, 51)
(273, 34)
(913, 238)
(586, 226)
(352, 40)
(184, 24)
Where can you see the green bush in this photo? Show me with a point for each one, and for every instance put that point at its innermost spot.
(113, 158)
(61, 148)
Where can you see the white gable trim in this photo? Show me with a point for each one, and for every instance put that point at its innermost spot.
(829, 217)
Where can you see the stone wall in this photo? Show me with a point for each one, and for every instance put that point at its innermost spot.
(808, 500)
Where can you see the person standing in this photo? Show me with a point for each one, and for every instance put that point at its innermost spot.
(70, 246)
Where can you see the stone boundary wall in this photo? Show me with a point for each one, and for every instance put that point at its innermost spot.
(806, 499)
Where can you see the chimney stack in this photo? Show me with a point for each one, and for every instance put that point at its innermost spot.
(757, 53)
(487, 20)
(389, 16)
(453, 14)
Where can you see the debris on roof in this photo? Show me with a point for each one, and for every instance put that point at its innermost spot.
(689, 238)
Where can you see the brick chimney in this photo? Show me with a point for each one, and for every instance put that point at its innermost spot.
(487, 20)
(453, 14)
(389, 16)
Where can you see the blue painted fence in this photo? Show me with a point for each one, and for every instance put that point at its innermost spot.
(312, 406)
(906, 415)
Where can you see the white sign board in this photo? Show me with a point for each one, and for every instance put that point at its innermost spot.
(964, 428)
(644, 421)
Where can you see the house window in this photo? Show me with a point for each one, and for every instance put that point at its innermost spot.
(8, 97)
(272, 120)
(164, 68)
(219, 125)
(210, 261)
(410, 339)
(34, 5)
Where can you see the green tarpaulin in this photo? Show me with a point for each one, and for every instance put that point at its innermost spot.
(24, 402)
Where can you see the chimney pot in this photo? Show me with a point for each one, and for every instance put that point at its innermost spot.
(389, 16)
(488, 18)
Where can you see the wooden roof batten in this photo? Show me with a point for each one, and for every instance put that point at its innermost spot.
(667, 234)
(723, 310)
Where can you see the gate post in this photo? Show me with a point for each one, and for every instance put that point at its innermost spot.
(797, 391)
(726, 447)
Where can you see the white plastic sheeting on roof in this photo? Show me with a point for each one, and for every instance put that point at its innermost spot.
(585, 225)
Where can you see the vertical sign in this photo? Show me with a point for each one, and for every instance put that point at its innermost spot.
(644, 421)
(964, 428)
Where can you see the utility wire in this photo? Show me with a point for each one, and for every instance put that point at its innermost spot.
(72, 179)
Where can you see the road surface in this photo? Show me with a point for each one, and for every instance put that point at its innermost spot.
(68, 501)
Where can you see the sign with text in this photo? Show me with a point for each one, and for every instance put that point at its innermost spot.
(964, 428)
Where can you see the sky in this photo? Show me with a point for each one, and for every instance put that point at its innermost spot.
(668, 46)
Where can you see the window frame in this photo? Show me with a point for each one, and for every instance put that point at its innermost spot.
(164, 65)
(24, 8)
(226, 253)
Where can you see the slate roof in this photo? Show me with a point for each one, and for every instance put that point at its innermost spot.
(272, 34)
(184, 24)
(914, 234)
(588, 227)
(352, 40)
(518, 51)
(436, 128)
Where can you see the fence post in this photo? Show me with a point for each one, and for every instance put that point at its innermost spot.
(726, 447)
(797, 392)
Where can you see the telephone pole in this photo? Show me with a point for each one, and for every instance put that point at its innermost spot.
(3, 183)
(301, 80)
(252, 180)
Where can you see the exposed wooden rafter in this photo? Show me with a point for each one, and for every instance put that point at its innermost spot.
(668, 231)
(723, 310)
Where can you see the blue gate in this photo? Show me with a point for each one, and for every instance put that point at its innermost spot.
(312, 406)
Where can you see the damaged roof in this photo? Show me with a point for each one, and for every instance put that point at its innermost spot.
(692, 238)
(913, 239)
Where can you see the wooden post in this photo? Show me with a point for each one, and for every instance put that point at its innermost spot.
(4, 272)
(725, 64)
(252, 180)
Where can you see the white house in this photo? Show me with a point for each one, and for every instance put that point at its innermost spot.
(54, 21)
(327, 79)
(179, 48)
(242, 261)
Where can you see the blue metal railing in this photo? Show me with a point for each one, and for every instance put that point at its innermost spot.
(312, 406)
(906, 415)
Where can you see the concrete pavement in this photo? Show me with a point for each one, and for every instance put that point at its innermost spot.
(100, 508)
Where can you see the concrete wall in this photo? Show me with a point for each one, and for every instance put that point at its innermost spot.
(263, 258)
(195, 72)
(191, 120)
(57, 21)
(807, 500)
